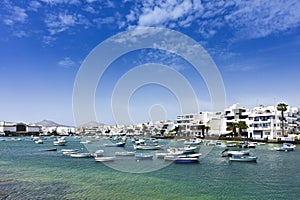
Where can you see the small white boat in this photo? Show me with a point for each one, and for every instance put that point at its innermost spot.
(245, 158)
(67, 152)
(286, 147)
(146, 147)
(39, 141)
(188, 149)
(160, 154)
(125, 153)
(104, 159)
(98, 153)
(59, 142)
(118, 144)
(143, 157)
(230, 153)
(80, 155)
(86, 142)
(192, 142)
(193, 155)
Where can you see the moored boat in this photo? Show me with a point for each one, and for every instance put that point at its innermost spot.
(286, 147)
(39, 141)
(104, 159)
(124, 153)
(98, 153)
(230, 153)
(67, 152)
(186, 160)
(80, 155)
(146, 147)
(143, 157)
(50, 149)
(59, 142)
(118, 144)
(192, 142)
(245, 158)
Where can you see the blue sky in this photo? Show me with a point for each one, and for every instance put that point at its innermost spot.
(255, 45)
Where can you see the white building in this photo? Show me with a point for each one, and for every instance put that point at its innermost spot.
(20, 128)
(265, 122)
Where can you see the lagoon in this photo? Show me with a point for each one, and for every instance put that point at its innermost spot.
(28, 173)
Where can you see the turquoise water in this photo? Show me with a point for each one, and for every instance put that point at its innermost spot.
(28, 173)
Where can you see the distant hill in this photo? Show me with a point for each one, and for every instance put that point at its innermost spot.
(91, 124)
(47, 123)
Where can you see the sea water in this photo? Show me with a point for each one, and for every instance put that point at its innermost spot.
(28, 173)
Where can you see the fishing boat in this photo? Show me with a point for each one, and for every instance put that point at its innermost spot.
(244, 158)
(143, 157)
(286, 147)
(104, 159)
(186, 160)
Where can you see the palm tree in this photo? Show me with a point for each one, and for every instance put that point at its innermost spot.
(241, 125)
(202, 128)
(282, 107)
(231, 126)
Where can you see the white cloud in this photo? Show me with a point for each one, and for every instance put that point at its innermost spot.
(169, 11)
(52, 2)
(34, 5)
(105, 20)
(257, 18)
(15, 15)
(66, 62)
(20, 34)
(246, 19)
(60, 23)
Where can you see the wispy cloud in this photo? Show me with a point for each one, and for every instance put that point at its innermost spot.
(63, 21)
(239, 68)
(66, 62)
(246, 19)
(34, 5)
(257, 18)
(14, 15)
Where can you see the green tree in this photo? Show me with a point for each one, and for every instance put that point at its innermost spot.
(282, 107)
(241, 125)
(232, 126)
